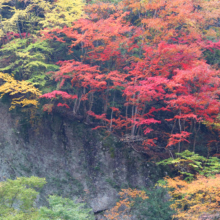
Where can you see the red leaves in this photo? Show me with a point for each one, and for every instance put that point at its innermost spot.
(48, 108)
(152, 88)
(136, 71)
(81, 75)
(62, 105)
(149, 142)
(177, 138)
(11, 35)
(115, 109)
(147, 122)
(99, 117)
(212, 45)
(195, 89)
(56, 93)
(147, 130)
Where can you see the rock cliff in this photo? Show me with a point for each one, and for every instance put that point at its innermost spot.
(76, 161)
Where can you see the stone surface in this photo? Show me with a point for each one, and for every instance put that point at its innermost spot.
(76, 161)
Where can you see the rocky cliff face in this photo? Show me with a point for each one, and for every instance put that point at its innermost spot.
(76, 161)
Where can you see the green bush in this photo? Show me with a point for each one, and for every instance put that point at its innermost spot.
(189, 164)
(156, 207)
(17, 202)
(17, 198)
(65, 209)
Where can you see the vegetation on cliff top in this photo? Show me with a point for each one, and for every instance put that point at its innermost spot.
(146, 71)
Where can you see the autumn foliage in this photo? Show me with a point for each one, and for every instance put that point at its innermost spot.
(23, 93)
(139, 60)
(146, 71)
(196, 199)
(139, 69)
(122, 208)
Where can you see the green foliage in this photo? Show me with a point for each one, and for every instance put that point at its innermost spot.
(27, 60)
(20, 17)
(64, 208)
(189, 164)
(151, 204)
(213, 57)
(156, 207)
(17, 202)
(17, 198)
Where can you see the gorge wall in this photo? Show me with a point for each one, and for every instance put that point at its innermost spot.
(76, 161)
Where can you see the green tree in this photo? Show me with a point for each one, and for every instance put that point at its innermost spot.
(156, 207)
(17, 202)
(33, 15)
(65, 209)
(27, 60)
(17, 198)
(151, 204)
(189, 164)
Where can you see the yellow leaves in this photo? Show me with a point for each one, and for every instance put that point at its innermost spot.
(213, 125)
(41, 4)
(192, 200)
(11, 24)
(2, 2)
(22, 54)
(23, 93)
(23, 102)
(63, 13)
(56, 15)
(211, 33)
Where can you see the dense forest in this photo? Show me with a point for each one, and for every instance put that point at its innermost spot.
(144, 71)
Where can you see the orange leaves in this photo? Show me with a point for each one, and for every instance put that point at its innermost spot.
(133, 193)
(101, 10)
(122, 208)
(48, 108)
(173, 18)
(195, 199)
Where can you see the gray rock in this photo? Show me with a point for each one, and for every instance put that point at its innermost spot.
(76, 161)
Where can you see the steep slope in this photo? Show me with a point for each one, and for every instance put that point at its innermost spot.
(76, 161)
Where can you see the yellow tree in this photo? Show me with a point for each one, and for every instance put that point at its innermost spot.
(62, 13)
(23, 93)
(195, 199)
(12, 23)
(38, 12)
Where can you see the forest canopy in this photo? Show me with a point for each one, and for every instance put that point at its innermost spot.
(146, 71)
